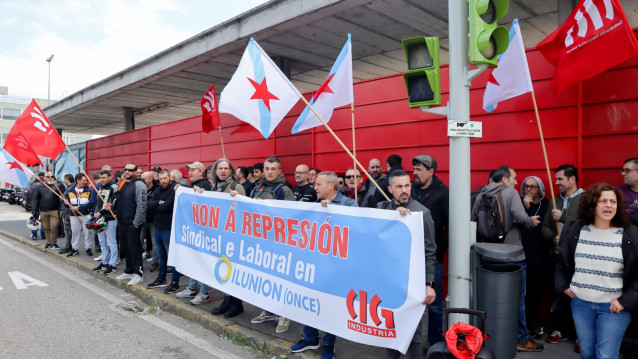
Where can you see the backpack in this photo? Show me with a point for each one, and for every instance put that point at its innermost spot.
(271, 190)
(490, 227)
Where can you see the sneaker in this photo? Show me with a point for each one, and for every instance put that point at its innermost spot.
(110, 269)
(35, 238)
(530, 346)
(137, 279)
(101, 267)
(89, 253)
(172, 288)
(304, 345)
(98, 259)
(187, 293)
(200, 298)
(263, 317)
(328, 352)
(282, 325)
(48, 246)
(538, 334)
(577, 346)
(54, 246)
(144, 255)
(158, 283)
(124, 276)
(149, 259)
(98, 249)
(555, 337)
(64, 250)
(73, 252)
(154, 267)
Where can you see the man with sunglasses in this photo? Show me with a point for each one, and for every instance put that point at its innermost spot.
(629, 191)
(354, 183)
(130, 209)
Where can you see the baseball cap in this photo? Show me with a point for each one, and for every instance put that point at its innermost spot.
(195, 164)
(157, 169)
(425, 160)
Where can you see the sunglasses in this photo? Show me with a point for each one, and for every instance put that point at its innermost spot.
(352, 176)
(129, 170)
(625, 171)
(340, 182)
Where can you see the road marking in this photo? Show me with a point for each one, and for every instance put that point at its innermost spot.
(178, 332)
(19, 278)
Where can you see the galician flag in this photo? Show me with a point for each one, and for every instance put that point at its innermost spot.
(258, 93)
(511, 78)
(336, 91)
(12, 171)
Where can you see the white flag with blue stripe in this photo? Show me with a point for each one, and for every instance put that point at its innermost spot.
(511, 78)
(12, 171)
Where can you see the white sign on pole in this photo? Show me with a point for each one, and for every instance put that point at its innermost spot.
(465, 129)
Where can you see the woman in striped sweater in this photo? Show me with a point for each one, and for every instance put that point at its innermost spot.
(598, 269)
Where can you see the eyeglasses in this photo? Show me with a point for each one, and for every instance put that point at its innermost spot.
(625, 171)
(352, 176)
(530, 186)
(340, 182)
(300, 172)
(129, 170)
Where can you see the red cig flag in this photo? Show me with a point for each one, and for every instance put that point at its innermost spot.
(210, 115)
(594, 38)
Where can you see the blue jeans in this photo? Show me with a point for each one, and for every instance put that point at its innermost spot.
(192, 285)
(35, 233)
(435, 310)
(162, 239)
(311, 335)
(600, 332)
(108, 243)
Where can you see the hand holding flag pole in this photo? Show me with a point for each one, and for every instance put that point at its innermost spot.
(59, 194)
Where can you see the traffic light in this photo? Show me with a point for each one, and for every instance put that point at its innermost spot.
(423, 79)
(487, 39)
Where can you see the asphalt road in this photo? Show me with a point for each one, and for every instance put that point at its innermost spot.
(50, 310)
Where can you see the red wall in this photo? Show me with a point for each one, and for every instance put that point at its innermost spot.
(593, 125)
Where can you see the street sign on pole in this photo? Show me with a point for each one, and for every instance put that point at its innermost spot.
(465, 129)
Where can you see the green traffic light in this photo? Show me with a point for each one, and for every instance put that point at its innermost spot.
(423, 79)
(487, 39)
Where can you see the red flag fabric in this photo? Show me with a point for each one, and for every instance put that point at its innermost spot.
(36, 129)
(594, 38)
(210, 113)
(21, 150)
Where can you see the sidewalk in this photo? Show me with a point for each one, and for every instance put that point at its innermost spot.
(262, 335)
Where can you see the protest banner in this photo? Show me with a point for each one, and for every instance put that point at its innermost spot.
(358, 273)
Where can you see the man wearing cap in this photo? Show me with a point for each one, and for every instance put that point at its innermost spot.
(433, 194)
(198, 181)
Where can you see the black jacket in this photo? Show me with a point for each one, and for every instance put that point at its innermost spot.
(436, 198)
(45, 200)
(384, 185)
(163, 213)
(565, 265)
(108, 194)
(130, 203)
(149, 194)
(203, 183)
(363, 198)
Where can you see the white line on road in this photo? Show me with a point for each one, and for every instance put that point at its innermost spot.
(180, 333)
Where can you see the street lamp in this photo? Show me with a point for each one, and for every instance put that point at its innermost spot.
(49, 91)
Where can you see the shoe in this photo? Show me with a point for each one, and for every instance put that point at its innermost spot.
(101, 267)
(35, 238)
(149, 259)
(187, 293)
(577, 346)
(304, 345)
(124, 276)
(98, 259)
(555, 337)
(89, 253)
(110, 269)
(144, 255)
(263, 317)
(328, 352)
(61, 235)
(222, 307)
(98, 249)
(282, 325)
(73, 252)
(172, 288)
(158, 283)
(201, 298)
(64, 250)
(154, 267)
(538, 334)
(236, 308)
(48, 246)
(137, 279)
(530, 346)
(54, 246)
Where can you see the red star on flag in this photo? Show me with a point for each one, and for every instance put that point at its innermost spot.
(492, 79)
(15, 164)
(262, 93)
(324, 88)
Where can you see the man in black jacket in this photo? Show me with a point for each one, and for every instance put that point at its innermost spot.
(161, 203)
(108, 237)
(46, 205)
(393, 163)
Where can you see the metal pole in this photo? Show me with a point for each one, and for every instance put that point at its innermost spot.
(49, 86)
(459, 110)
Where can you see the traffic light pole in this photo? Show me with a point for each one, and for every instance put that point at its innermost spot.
(459, 110)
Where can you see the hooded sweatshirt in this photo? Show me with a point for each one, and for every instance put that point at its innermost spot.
(276, 189)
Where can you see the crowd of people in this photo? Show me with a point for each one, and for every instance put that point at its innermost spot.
(583, 245)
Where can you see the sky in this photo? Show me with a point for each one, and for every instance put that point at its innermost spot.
(92, 40)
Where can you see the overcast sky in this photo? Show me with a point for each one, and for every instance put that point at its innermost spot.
(92, 40)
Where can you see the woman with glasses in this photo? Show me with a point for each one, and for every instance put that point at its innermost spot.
(598, 270)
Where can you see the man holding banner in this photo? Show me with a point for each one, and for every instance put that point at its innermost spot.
(402, 201)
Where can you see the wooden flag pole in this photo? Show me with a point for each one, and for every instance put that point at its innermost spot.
(354, 153)
(61, 197)
(549, 175)
(221, 138)
(89, 178)
(344, 147)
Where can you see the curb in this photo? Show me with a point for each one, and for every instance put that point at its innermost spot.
(219, 325)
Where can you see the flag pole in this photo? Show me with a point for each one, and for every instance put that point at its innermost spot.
(221, 138)
(90, 181)
(61, 197)
(549, 175)
(354, 153)
(344, 147)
